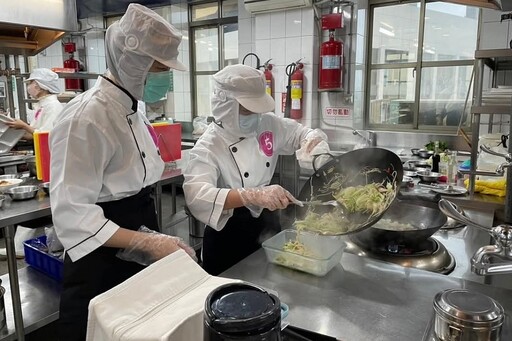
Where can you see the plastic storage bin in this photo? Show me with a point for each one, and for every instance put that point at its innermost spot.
(42, 261)
(327, 252)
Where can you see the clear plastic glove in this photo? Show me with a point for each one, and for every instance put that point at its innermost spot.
(271, 197)
(149, 246)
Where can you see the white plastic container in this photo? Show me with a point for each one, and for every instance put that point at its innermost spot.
(326, 252)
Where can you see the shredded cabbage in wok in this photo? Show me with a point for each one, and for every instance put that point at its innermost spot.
(370, 200)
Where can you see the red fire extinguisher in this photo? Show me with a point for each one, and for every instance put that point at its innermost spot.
(269, 80)
(295, 74)
(331, 54)
(72, 84)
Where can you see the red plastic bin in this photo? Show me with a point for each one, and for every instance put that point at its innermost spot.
(42, 261)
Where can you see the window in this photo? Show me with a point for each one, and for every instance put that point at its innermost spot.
(421, 65)
(214, 32)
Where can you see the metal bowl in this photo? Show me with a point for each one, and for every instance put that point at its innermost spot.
(9, 176)
(428, 176)
(22, 192)
(46, 187)
(410, 173)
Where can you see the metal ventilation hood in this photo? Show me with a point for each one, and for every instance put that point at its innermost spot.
(29, 26)
(493, 4)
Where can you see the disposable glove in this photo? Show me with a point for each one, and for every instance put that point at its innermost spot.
(315, 143)
(272, 197)
(149, 246)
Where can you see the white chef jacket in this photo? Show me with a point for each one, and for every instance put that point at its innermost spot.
(101, 151)
(220, 161)
(50, 108)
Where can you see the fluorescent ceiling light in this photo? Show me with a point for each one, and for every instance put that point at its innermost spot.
(386, 32)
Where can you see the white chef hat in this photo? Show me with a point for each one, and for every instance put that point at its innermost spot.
(245, 84)
(46, 79)
(140, 37)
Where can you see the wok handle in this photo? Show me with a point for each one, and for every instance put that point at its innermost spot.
(316, 156)
(456, 213)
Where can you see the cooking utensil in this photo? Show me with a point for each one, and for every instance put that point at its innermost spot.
(352, 169)
(463, 315)
(410, 173)
(414, 151)
(425, 154)
(321, 203)
(424, 218)
(9, 176)
(428, 176)
(407, 181)
(22, 192)
(10, 183)
(446, 190)
(46, 187)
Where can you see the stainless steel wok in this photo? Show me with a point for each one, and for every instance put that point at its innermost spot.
(423, 216)
(353, 167)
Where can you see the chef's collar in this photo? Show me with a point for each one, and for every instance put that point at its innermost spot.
(126, 99)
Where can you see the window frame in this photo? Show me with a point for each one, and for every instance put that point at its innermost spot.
(419, 65)
(202, 24)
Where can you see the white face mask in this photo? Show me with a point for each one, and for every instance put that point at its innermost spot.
(249, 123)
(33, 90)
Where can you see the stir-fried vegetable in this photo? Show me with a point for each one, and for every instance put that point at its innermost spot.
(295, 246)
(359, 205)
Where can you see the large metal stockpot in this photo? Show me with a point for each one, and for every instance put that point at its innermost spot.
(462, 315)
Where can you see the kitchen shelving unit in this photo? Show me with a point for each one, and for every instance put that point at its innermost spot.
(496, 60)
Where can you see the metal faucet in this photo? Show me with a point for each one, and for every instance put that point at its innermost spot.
(493, 259)
(482, 264)
(370, 140)
(500, 170)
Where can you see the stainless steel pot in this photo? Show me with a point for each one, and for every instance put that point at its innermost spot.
(462, 315)
(428, 176)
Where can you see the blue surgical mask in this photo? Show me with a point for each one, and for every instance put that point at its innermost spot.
(249, 123)
(157, 85)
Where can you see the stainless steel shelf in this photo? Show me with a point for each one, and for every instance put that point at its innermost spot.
(73, 75)
(494, 53)
(492, 109)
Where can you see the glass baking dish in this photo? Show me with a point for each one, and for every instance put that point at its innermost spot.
(326, 252)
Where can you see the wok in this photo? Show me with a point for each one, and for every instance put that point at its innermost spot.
(351, 166)
(424, 216)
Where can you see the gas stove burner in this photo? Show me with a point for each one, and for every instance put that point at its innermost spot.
(429, 255)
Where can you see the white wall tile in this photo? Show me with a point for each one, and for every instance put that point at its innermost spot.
(308, 22)
(263, 49)
(93, 64)
(262, 26)
(293, 21)
(490, 15)
(277, 51)
(307, 52)
(244, 49)
(245, 31)
(494, 35)
(277, 25)
(293, 49)
(242, 11)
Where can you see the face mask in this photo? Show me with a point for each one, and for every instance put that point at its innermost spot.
(156, 87)
(33, 89)
(249, 123)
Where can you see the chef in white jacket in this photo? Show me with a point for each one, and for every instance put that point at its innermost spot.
(227, 181)
(103, 164)
(42, 85)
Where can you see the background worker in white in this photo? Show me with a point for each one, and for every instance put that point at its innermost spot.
(103, 164)
(227, 179)
(43, 86)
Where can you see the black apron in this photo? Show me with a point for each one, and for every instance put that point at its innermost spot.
(242, 235)
(101, 270)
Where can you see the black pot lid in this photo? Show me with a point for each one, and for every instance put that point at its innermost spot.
(241, 308)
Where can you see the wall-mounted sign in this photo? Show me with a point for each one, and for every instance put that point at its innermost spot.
(342, 112)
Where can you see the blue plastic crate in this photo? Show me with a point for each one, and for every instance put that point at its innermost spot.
(42, 261)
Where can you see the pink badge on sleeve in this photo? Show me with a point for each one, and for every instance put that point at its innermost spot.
(266, 142)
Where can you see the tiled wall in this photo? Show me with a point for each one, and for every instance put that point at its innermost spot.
(287, 36)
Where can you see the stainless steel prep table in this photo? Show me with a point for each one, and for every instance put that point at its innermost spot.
(361, 299)
(14, 213)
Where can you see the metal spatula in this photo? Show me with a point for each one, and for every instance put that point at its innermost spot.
(321, 203)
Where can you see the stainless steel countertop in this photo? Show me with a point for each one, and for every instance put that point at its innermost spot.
(361, 299)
